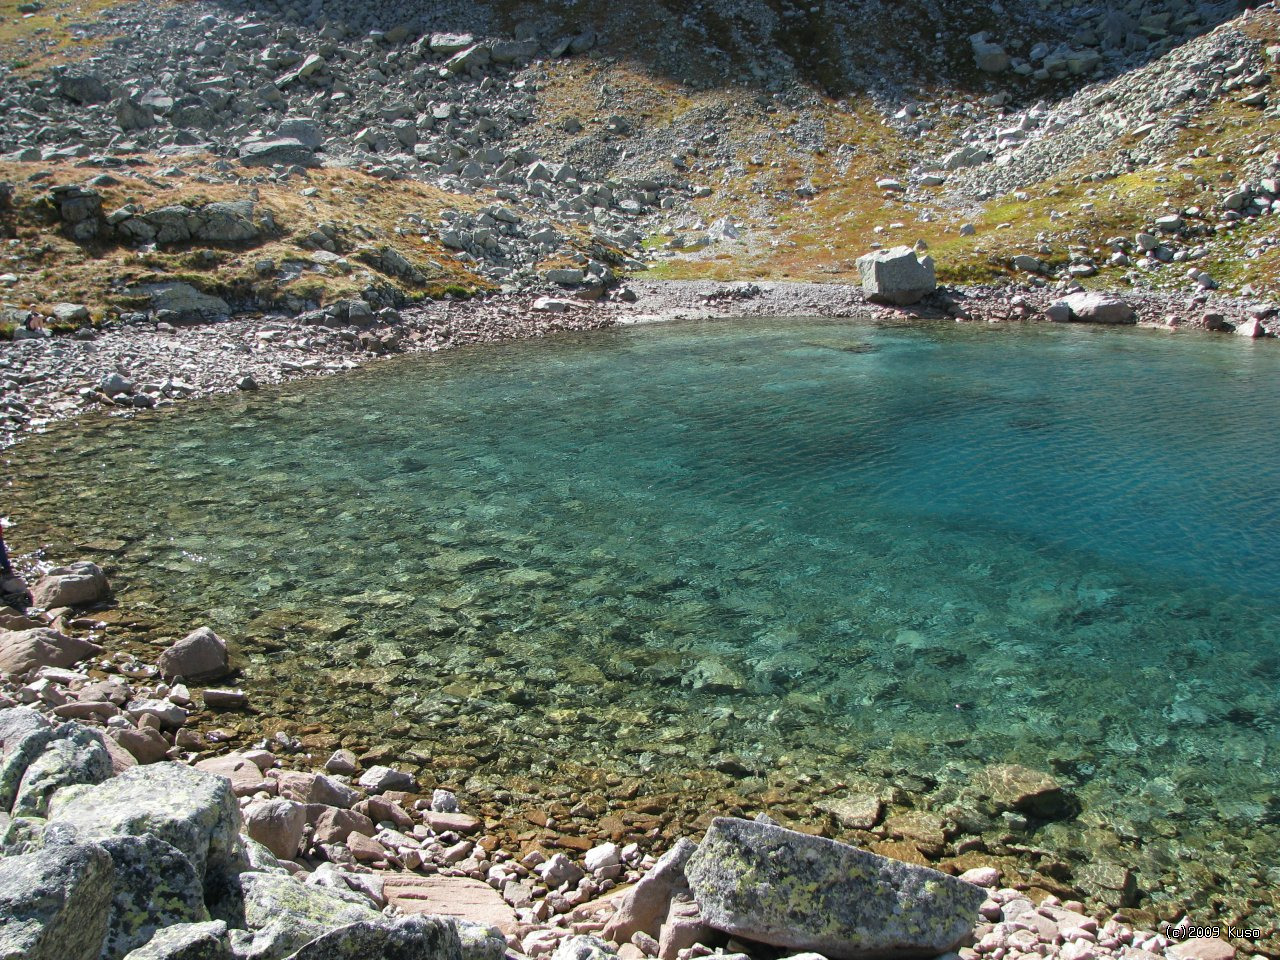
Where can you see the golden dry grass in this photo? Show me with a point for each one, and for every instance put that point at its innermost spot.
(365, 212)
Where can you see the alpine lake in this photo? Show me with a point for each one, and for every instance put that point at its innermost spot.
(753, 565)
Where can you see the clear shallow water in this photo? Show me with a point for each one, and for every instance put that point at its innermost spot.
(800, 545)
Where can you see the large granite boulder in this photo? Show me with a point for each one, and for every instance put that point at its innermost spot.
(83, 88)
(77, 755)
(192, 810)
(283, 151)
(24, 734)
(186, 941)
(282, 915)
(584, 947)
(791, 890)
(200, 655)
(480, 942)
(54, 903)
(76, 585)
(404, 938)
(896, 276)
(25, 650)
(226, 222)
(182, 300)
(155, 887)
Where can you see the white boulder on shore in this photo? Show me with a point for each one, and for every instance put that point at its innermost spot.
(896, 276)
(1089, 307)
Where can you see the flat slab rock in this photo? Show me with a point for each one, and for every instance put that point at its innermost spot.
(788, 889)
(459, 897)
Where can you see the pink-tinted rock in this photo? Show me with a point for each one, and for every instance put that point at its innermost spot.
(333, 824)
(1202, 948)
(457, 822)
(342, 761)
(365, 849)
(146, 745)
(1251, 329)
(1078, 950)
(981, 876)
(316, 788)
(645, 907)
(199, 656)
(121, 758)
(25, 650)
(381, 810)
(451, 897)
(246, 779)
(276, 824)
(86, 710)
(682, 929)
(76, 585)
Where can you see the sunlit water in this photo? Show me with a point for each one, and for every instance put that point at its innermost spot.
(802, 544)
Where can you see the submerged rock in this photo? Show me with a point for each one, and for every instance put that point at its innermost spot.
(1010, 786)
(791, 890)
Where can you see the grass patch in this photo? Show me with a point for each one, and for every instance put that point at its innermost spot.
(363, 214)
(62, 31)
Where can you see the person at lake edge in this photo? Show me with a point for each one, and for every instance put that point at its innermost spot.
(6, 569)
(13, 589)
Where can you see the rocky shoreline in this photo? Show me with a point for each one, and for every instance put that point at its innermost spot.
(241, 855)
(146, 364)
(362, 817)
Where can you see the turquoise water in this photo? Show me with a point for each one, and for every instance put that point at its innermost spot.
(807, 546)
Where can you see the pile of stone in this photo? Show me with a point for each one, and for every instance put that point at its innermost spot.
(150, 863)
(159, 358)
(1154, 102)
(275, 99)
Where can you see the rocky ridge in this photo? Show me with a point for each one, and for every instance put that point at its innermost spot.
(541, 189)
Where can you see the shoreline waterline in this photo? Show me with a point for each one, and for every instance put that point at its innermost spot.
(736, 769)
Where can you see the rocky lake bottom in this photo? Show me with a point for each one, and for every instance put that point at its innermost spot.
(723, 556)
